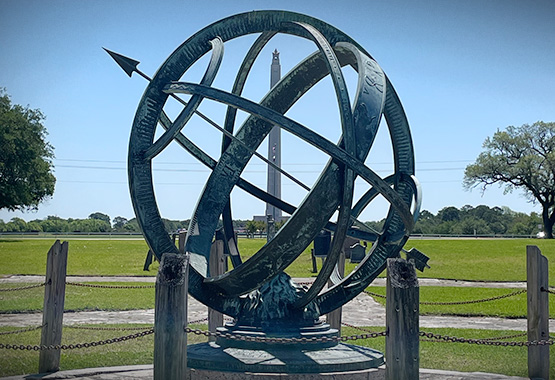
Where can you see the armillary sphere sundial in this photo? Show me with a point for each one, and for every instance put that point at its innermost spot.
(240, 293)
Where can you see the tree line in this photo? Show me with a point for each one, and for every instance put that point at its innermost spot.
(468, 220)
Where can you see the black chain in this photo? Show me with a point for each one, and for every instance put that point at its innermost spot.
(302, 340)
(111, 286)
(22, 287)
(477, 301)
(30, 347)
(459, 302)
(485, 342)
(108, 328)
(21, 330)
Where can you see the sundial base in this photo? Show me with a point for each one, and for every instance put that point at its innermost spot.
(232, 362)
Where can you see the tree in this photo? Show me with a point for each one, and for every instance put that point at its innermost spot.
(520, 157)
(100, 216)
(26, 177)
(119, 223)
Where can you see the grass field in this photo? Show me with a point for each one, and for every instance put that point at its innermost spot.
(453, 356)
(462, 259)
(465, 259)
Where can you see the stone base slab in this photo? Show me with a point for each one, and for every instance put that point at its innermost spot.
(367, 374)
(278, 360)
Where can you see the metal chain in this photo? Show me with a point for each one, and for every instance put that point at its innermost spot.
(459, 302)
(147, 331)
(357, 327)
(477, 301)
(76, 345)
(21, 330)
(374, 294)
(485, 342)
(108, 328)
(111, 286)
(302, 340)
(22, 287)
(548, 291)
(483, 339)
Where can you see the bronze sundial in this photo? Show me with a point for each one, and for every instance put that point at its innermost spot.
(331, 194)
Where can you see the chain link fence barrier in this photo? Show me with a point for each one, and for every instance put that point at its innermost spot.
(515, 293)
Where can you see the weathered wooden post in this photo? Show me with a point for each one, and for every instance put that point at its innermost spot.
(181, 241)
(334, 318)
(53, 310)
(402, 358)
(314, 265)
(170, 317)
(217, 267)
(538, 312)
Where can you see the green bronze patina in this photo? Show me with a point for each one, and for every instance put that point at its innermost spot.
(246, 293)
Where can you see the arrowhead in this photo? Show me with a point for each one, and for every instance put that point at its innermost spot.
(127, 64)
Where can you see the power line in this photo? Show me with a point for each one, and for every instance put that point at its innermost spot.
(245, 171)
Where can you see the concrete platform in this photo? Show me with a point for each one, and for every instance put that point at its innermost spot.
(144, 372)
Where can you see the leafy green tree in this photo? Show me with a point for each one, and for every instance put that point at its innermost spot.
(520, 158)
(89, 225)
(251, 227)
(26, 177)
(119, 223)
(16, 225)
(100, 216)
(449, 214)
(54, 224)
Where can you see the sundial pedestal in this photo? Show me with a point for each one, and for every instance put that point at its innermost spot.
(240, 359)
(267, 342)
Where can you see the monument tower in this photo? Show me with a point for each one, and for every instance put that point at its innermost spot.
(274, 148)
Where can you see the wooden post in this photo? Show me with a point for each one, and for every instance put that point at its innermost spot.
(333, 318)
(53, 310)
(538, 312)
(402, 321)
(170, 318)
(314, 265)
(217, 267)
(181, 242)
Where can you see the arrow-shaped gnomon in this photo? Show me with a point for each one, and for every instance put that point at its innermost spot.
(129, 65)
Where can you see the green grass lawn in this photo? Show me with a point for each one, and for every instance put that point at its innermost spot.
(463, 259)
(80, 298)
(85, 257)
(481, 259)
(448, 356)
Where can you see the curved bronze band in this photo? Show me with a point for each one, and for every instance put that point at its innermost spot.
(150, 110)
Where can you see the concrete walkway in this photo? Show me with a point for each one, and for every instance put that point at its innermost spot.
(144, 372)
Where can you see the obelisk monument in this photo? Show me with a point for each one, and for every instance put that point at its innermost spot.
(274, 148)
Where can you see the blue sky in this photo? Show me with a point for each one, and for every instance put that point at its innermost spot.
(463, 69)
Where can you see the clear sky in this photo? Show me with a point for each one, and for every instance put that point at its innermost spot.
(463, 69)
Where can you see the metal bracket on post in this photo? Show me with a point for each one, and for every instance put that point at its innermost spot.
(538, 312)
(402, 358)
